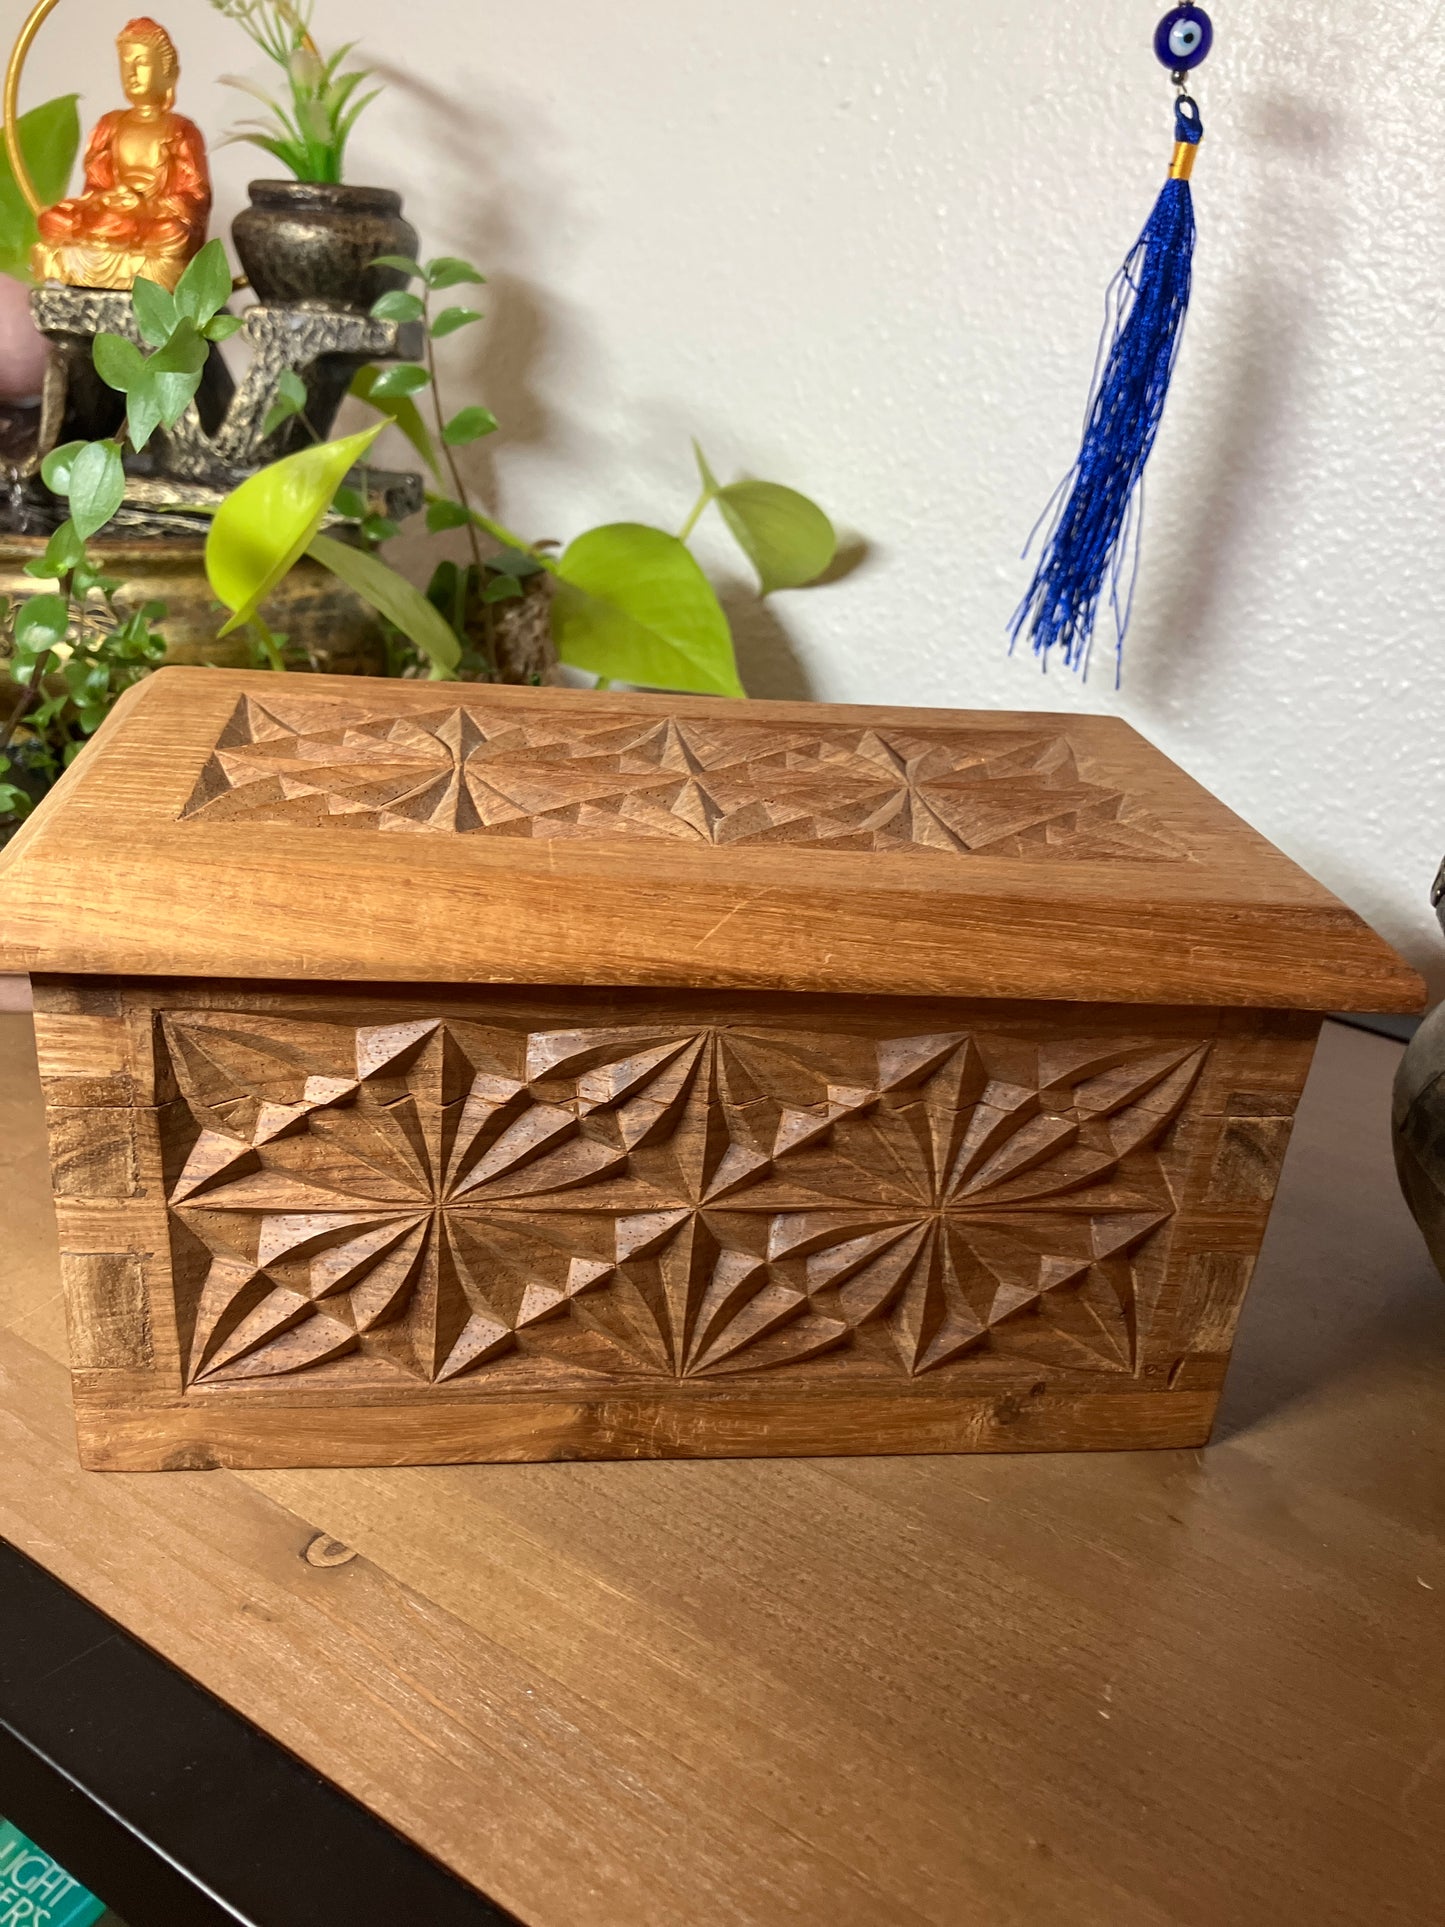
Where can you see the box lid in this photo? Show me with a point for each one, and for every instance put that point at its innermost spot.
(237, 824)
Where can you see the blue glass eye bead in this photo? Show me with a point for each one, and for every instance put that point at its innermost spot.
(1183, 38)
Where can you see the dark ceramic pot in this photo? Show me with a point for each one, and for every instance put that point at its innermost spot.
(1419, 1118)
(1419, 1121)
(306, 244)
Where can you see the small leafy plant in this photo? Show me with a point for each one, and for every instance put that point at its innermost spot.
(15, 802)
(626, 601)
(72, 654)
(70, 649)
(309, 127)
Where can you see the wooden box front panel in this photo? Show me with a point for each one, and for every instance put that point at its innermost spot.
(312, 1227)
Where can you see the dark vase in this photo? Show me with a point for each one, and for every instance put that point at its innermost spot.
(308, 244)
(1419, 1117)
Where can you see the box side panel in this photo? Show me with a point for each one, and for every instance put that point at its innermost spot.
(398, 1226)
(97, 1077)
(1224, 1155)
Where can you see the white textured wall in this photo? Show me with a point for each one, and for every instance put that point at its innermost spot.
(860, 246)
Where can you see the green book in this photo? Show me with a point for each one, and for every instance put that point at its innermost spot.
(36, 1891)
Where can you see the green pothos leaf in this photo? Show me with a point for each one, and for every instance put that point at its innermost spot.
(265, 526)
(787, 538)
(392, 596)
(633, 605)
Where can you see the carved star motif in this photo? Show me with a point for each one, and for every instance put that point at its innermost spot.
(441, 1198)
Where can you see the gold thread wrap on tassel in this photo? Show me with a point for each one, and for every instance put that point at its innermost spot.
(1182, 165)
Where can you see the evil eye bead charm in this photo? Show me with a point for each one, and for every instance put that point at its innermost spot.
(1183, 38)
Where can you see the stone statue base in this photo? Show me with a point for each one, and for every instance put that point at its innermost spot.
(221, 437)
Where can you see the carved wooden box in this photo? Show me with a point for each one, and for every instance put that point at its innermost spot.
(442, 1073)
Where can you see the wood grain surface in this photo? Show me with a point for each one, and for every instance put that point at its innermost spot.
(1174, 1689)
(425, 1226)
(225, 825)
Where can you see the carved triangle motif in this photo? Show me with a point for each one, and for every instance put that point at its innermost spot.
(470, 769)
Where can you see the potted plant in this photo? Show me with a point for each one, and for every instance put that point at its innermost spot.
(627, 601)
(315, 237)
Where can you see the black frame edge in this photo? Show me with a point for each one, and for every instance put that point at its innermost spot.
(169, 1805)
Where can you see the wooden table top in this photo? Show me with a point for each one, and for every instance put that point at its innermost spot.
(1134, 1690)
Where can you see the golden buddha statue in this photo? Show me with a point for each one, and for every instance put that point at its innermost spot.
(147, 194)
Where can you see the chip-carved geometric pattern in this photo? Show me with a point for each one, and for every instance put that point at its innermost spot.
(316, 762)
(440, 1200)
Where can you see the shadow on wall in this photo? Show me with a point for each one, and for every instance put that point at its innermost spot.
(495, 178)
(462, 150)
(1265, 319)
(768, 660)
(767, 656)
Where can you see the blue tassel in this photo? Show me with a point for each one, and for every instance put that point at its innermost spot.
(1091, 548)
